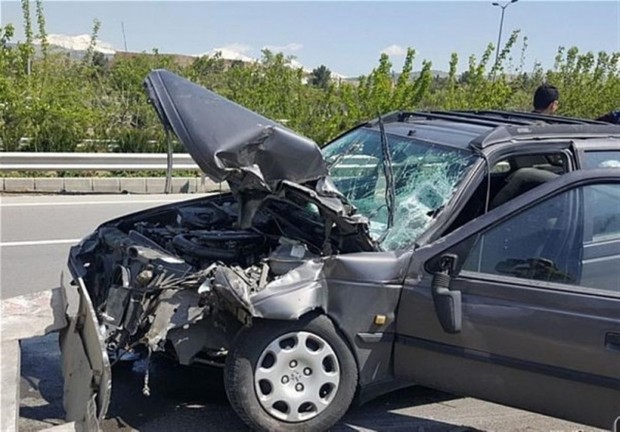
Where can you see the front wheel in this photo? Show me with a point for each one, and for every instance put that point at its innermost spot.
(291, 375)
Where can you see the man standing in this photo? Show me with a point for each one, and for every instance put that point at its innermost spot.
(546, 99)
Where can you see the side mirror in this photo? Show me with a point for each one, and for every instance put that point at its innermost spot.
(447, 303)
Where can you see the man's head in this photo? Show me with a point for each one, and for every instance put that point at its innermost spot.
(546, 99)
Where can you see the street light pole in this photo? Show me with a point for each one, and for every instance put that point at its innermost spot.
(501, 25)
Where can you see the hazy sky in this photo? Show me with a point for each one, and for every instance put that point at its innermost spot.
(347, 36)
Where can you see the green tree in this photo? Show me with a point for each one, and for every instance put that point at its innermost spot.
(50, 102)
(320, 77)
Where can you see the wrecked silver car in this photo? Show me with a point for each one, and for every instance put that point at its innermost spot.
(416, 248)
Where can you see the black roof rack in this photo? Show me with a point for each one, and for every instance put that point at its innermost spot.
(542, 131)
(451, 116)
(508, 116)
(490, 118)
(509, 125)
(476, 115)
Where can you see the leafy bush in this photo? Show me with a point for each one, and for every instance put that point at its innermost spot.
(95, 104)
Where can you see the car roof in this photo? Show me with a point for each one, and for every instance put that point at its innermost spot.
(484, 128)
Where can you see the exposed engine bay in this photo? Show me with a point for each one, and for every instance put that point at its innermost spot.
(182, 268)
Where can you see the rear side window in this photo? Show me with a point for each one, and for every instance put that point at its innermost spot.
(602, 159)
(600, 261)
(603, 213)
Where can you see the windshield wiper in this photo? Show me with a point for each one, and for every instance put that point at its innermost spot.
(390, 194)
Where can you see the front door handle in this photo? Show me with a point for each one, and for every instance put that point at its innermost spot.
(612, 342)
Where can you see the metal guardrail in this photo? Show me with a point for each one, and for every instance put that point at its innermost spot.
(25, 161)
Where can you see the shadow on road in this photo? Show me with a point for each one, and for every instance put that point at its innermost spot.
(382, 414)
(182, 398)
(41, 383)
(188, 399)
(194, 399)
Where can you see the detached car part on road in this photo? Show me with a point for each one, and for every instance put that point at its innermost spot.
(473, 252)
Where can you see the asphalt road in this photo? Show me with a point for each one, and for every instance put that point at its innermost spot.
(35, 234)
(37, 231)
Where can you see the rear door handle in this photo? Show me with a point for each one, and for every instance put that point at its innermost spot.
(612, 342)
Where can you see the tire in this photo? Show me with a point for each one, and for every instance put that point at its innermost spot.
(290, 376)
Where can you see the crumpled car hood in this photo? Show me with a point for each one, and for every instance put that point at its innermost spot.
(229, 142)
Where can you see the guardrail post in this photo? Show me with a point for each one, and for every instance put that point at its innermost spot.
(168, 185)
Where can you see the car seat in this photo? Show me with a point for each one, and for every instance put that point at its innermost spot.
(519, 182)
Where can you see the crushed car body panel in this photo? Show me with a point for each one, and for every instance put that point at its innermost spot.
(258, 157)
(225, 138)
(85, 363)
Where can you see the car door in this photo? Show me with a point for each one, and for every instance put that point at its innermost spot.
(522, 305)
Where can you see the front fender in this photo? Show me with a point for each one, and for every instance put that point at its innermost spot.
(298, 292)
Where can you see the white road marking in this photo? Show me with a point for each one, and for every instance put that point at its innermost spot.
(39, 242)
(81, 203)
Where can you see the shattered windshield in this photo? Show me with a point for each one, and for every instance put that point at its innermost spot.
(426, 176)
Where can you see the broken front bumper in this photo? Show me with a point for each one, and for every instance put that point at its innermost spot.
(85, 362)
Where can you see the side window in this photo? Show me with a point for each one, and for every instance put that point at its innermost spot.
(572, 238)
(601, 248)
(602, 159)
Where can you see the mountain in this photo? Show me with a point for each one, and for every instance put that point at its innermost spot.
(231, 54)
(77, 43)
(228, 54)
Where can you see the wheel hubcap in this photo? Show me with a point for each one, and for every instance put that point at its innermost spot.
(297, 376)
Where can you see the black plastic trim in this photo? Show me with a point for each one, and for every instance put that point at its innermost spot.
(376, 337)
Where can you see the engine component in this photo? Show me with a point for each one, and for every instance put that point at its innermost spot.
(231, 247)
(203, 217)
(287, 256)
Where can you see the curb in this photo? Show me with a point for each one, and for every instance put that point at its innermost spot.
(23, 317)
(10, 376)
